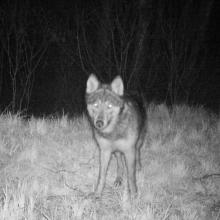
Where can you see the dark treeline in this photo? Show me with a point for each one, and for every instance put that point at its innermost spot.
(163, 48)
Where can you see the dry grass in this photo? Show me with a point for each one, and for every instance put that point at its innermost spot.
(49, 166)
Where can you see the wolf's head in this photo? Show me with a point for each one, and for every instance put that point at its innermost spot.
(104, 102)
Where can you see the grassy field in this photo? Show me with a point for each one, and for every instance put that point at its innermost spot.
(49, 165)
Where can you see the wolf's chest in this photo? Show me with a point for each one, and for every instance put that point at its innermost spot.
(117, 141)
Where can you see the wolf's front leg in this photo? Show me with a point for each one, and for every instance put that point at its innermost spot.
(120, 167)
(104, 159)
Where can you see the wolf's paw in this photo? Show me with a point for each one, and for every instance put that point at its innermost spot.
(93, 196)
(118, 181)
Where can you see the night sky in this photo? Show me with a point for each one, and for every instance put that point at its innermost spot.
(167, 49)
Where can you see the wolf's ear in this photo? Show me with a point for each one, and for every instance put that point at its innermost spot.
(92, 84)
(117, 86)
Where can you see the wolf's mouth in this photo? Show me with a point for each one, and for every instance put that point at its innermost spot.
(99, 124)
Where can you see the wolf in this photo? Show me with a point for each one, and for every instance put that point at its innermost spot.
(118, 127)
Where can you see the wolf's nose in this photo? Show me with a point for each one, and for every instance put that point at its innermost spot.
(99, 124)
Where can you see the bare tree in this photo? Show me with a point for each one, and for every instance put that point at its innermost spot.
(24, 42)
(115, 44)
(182, 43)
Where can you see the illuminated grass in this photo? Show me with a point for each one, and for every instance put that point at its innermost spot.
(49, 165)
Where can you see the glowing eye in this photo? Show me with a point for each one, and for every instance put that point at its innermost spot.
(95, 104)
(109, 105)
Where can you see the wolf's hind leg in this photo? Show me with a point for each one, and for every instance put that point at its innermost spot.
(120, 167)
(139, 145)
(131, 171)
(138, 159)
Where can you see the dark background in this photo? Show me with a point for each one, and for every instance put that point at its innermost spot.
(167, 49)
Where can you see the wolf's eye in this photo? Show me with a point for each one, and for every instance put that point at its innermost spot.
(95, 104)
(109, 105)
